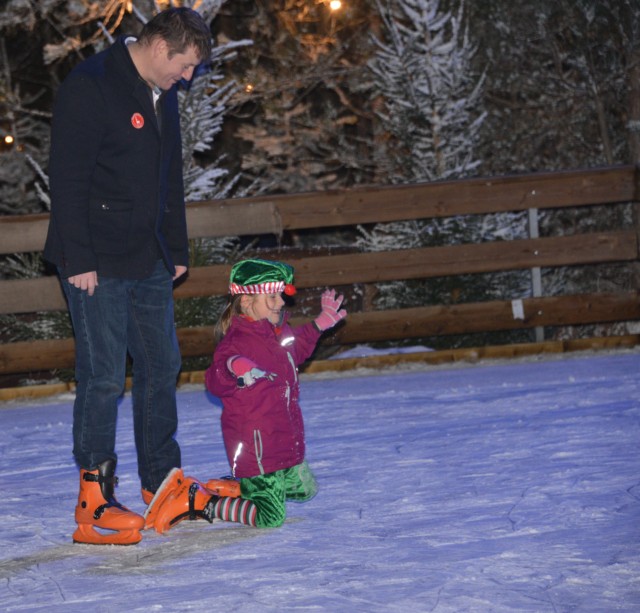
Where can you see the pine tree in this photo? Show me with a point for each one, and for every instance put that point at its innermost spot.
(429, 95)
(559, 96)
(429, 101)
(24, 132)
(558, 82)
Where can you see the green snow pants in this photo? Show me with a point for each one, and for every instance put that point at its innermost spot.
(270, 492)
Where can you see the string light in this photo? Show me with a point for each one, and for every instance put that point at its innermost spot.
(8, 139)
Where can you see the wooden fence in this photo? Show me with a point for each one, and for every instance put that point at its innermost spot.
(276, 215)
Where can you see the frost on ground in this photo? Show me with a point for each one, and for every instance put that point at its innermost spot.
(493, 487)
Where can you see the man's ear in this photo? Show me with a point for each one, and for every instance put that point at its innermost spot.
(159, 47)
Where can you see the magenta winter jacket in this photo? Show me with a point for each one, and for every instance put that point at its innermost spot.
(262, 425)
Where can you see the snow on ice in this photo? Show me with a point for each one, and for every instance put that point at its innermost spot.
(488, 487)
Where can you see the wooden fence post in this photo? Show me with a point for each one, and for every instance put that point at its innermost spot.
(536, 276)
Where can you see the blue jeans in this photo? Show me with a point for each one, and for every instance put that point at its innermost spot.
(134, 316)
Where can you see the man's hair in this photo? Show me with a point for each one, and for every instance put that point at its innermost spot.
(181, 28)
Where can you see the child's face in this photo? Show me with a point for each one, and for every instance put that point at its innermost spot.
(263, 306)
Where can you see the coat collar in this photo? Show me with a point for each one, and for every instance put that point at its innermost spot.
(137, 85)
(128, 68)
(263, 327)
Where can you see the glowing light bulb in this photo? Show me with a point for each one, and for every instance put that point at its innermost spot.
(335, 5)
(8, 139)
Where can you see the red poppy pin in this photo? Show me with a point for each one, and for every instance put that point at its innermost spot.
(137, 121)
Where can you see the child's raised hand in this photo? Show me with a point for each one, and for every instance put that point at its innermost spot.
(330, 315)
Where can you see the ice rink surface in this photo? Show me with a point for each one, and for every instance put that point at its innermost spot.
(494, 487)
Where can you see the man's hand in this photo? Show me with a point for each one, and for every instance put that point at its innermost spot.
(85, 281)
(180, 270)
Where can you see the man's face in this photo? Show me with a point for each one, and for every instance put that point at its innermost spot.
(167, 71)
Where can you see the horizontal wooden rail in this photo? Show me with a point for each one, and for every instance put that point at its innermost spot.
(362, 205)
(493, 316)
(45, 294)
(368, 327)
(465, 197)
(367, 205)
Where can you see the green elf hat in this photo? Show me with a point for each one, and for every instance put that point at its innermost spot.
(261, 277)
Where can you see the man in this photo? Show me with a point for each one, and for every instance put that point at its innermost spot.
(118, 238)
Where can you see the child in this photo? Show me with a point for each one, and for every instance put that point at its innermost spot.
(254, 372)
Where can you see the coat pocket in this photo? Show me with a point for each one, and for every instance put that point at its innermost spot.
(110, 224)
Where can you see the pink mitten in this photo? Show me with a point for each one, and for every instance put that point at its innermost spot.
(246, 371)
(330, 315)
(239, 365)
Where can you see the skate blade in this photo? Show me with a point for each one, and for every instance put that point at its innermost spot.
(167, 487)
(86, 534)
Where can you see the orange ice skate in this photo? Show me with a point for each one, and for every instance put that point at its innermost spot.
(101, 519)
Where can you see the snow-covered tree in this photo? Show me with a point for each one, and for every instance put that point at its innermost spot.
(24, 133)
(558, 82)
(561, 94)
(429, 100)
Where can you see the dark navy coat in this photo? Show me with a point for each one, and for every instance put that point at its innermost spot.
(117, 197)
